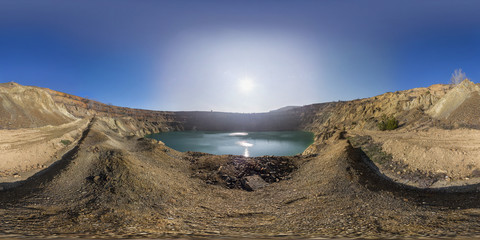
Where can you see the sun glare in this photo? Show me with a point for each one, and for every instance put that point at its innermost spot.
(246, 85)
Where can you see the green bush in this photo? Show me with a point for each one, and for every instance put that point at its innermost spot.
(388, 123)
(66, 142)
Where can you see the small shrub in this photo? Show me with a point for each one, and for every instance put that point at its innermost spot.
(388, 123)
(457, 76)
(66, 142)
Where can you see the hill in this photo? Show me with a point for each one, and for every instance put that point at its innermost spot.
(22, 106)
(459, 107)
(108, 180)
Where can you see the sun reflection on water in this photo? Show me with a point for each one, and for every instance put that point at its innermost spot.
(238, 134)
(246, 145)
(246, 153)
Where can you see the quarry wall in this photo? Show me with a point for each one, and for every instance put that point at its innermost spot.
(26, 106)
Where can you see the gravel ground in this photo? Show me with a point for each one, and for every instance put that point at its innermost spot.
(111, 186)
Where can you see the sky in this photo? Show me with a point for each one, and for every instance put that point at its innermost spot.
(236, 56)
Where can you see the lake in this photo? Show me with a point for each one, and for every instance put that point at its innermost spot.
(249, 144)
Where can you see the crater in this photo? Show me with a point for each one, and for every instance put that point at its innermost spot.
(247, 144)
(240, 160)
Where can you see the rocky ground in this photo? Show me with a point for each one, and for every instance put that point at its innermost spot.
(110, 185)
(98, 177)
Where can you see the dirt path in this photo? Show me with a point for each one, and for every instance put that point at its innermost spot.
(26, 151)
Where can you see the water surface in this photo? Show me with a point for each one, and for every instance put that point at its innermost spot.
(250, 144)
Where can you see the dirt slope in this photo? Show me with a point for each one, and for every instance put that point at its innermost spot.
(24, 151)
(453, 99)
(111, 183)
(115, 187)
(23, 106)
(128, 120)
(428, 159)
(467, 114)
(409, 107)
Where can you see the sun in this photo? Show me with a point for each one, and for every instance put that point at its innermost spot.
(246, 85)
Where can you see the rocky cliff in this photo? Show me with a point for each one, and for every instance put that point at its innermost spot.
(141, 121)
(415, 109)
(409, 107)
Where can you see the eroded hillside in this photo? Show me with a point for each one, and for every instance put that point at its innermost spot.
(23, 106)
(413, 108)
(354, 181)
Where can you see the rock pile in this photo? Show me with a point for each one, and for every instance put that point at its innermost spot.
(242, 172)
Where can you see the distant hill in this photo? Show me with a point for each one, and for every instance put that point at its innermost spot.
(438, 105)
(287, 108)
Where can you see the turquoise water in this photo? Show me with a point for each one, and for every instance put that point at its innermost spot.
(250, 144)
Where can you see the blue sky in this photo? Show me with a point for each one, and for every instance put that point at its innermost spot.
(241, 56)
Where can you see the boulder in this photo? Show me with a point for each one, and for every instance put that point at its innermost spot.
(254, 182)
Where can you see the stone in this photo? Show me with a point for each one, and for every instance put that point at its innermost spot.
(254, 182)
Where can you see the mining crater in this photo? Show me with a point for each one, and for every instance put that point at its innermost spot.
(74, 167)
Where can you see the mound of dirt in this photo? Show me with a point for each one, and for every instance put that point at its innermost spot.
(467, 114)
(453, 99)
(242, 172)
(109, 185)
(24, 107)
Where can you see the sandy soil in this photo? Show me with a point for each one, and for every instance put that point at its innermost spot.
(28, 107)
(454, 153)
(26, 151)
(109, 185)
